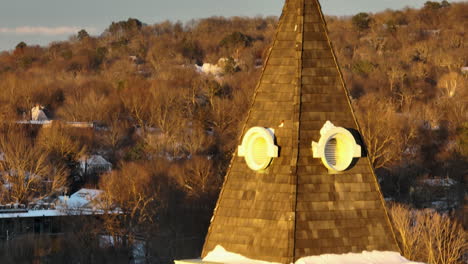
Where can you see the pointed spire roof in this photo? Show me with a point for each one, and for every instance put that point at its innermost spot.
(296, 207)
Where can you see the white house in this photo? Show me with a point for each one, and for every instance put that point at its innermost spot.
(37, 114)
(82, 199)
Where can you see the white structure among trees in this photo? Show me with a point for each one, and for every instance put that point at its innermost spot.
(38, 114)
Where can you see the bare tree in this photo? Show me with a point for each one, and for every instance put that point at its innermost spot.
(449, 83)
(136, 102)
(81, 106)
(117, 132)
(429, 236)
(56, 141)
(225, 116)
(27, 170)
(165, 109)
(131, 201)
(197, 176)
(386, 137)
(394, 74)
(444, 239)
(409, 236)
(197, 140)
(166, 117)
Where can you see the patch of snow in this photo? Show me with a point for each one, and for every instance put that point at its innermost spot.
(192, 261)
(35, 122)
(138, 247)
(439, 204)
(258, 63)
(444, 205)
(80, 124)
(209, 68)
(411, 150)
(7, 186)
(106, 241)
(366, 257)
(214, 69)
(32, 213)
(446, 182)
(219, 254)
(198, 68)
(51, 213)
(139, 252)
(27, 175)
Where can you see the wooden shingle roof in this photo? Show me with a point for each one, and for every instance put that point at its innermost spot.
(296, 208)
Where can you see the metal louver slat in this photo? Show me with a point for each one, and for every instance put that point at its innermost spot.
(330, 151)
(260, 151)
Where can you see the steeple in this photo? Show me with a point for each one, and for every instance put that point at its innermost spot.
(280, 201)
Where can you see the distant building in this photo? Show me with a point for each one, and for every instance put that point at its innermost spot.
(94, 164)
(45, 215)
(38, 114)
(84, 199)
(39, 118)
(432, 32)
(216, 69)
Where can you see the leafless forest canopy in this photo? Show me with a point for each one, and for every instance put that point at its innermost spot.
(170, 130)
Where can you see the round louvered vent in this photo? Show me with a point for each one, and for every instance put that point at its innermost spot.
(258, 148)
(337, 148)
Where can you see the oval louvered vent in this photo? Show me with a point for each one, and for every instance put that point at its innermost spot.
(337, 148)
(258, 148)
(260, 151)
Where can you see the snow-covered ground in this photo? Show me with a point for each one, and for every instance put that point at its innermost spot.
(443, 182)
(220, 255)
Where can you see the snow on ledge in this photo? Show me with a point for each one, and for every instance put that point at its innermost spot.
(220, 255)
(366, 257)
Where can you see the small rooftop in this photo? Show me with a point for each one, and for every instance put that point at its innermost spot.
(83, 201)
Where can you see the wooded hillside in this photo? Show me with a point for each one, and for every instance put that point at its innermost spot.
(140, 82)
